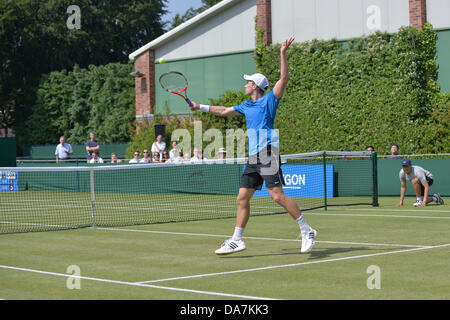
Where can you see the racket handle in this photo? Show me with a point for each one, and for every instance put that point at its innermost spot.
(189, 102)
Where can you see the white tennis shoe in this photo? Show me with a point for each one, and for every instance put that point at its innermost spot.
(231, 246)
(308, 240)
(418, 203)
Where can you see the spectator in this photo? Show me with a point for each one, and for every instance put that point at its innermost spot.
(222, 153)
(158, 146)
(347, 157)
(165, 156)
(186, 157)
(114, 158)
(371, 149)
(394, 153)
(63, 150)
(421, 180)
(175, 147)
(198, 156)
(95, 158)
(178, 158)
(156, 157)
(135, 157)
(92, 145)
(146, 158)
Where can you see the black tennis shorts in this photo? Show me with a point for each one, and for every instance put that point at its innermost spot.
(422, 188)
(265, 166)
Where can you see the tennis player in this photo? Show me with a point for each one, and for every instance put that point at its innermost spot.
(264, 159)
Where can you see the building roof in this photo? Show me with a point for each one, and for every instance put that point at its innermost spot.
(184, 27)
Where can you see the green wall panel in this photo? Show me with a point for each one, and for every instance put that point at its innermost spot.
(443, 58)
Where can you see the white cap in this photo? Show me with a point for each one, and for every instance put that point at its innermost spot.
(259, 79)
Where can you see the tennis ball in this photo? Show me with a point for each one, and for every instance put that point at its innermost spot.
(162, 60)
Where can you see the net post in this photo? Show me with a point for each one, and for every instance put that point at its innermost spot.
(324, 155)
(374, 161)
(92, 184)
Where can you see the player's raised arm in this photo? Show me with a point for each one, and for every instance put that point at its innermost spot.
(284, 71)
(217, 110)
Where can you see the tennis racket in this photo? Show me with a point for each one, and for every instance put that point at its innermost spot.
(175, 82)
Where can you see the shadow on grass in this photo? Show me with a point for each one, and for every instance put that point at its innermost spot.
(316, 253)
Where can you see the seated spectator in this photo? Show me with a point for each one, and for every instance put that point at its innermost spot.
(95, 158)
(114, 158)
(178, 158)
(198, 156)
(394, 152)
(158, 146)
(146, 158)
(63, 150)
(135, 157)
(92, 145)
(175, 147)
(186, 157)
(347, 157)
(165, 156)
(156, 157)
(222, 153)
(371, 149)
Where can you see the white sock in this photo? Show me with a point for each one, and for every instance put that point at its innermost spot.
(304, 227)
(238, 233)
(419, 199)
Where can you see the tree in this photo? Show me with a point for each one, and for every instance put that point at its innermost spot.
(98, 98)
(36, 40)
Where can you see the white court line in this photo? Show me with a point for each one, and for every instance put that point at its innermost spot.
(137, 284)
(292, 264)
(324, 213)
(261, 238)
(381, 209)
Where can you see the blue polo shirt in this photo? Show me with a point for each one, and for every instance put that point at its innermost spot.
(260, 115)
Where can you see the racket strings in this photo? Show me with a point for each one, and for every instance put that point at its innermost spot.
(173, 82)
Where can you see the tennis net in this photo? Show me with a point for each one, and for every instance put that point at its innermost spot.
(58, 197)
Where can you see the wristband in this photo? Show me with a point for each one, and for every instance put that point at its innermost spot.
(204, 108)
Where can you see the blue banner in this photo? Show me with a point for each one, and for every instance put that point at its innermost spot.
(9, 181)
(304, 181)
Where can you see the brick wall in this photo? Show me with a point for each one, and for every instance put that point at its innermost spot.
(145, 85)
(417, 13)
(264, 13)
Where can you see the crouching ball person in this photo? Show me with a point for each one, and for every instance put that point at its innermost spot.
(421, 180)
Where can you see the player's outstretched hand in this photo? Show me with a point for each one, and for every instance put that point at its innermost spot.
(285, 45)
(195, 106)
